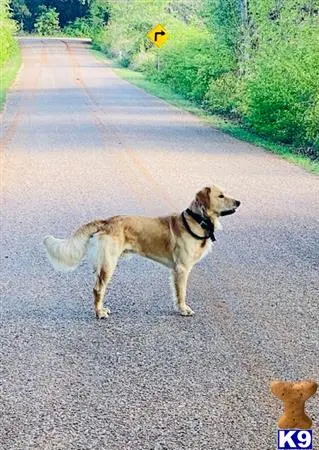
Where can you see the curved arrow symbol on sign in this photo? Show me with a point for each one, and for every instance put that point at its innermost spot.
(161, 33)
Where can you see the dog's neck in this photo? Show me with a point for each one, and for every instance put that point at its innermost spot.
(196, 208)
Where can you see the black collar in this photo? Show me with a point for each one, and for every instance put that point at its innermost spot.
(203, 221)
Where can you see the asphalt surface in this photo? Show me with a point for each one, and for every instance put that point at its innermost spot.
(81, 143)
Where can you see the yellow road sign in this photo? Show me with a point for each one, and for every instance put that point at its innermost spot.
(158, 35)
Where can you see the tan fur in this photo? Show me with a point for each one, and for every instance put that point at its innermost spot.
(162, 239)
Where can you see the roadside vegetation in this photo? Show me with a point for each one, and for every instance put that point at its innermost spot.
(9, 51)
(253, 64)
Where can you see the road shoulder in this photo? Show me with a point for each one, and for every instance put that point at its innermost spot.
(8, 74)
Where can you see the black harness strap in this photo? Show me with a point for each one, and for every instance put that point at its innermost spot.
(204, 222)
(189, 229)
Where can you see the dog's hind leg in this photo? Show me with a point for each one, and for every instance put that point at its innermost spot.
(105, 254)
(180, 275)
(103, 277)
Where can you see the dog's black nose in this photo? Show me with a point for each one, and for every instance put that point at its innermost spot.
(237, 203)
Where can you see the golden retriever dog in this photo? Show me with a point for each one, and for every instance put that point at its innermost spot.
(177, 241)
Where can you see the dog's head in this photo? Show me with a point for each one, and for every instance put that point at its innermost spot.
(213, 203)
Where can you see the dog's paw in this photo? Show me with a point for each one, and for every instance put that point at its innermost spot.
(102, 313)
(186, 311)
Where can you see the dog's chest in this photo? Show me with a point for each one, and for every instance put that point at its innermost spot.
(205, 250)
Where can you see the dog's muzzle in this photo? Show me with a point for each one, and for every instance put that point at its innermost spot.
(230, 211)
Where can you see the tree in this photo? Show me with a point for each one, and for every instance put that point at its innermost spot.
(20, 12)
(47, 21)
(186, 10)
(100, 10)
(68, 10)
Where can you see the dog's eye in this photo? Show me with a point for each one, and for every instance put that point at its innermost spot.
(221, 196)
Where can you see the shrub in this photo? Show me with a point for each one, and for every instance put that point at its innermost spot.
(81, 27)
(282, 91)
(8, 44)
(144, 61)
(47, 21)
(129, 24)
(189, 61)
(124, 44)
(222, 94)
(84, 27)
(312, 126)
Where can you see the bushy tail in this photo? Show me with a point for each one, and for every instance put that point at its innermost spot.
(66, 254)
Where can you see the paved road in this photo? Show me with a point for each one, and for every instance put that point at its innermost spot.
(81, 143)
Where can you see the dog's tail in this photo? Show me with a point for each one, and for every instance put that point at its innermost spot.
(66, 254)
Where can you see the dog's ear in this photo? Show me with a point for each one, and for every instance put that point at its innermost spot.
(203, 198)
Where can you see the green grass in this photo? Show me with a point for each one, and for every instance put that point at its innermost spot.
(8, 73)
(231, 127)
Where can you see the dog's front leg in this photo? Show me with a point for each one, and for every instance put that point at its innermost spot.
(180, 275)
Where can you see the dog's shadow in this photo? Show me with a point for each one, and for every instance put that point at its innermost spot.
(83, 314)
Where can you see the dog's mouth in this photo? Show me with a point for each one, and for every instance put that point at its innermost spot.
(227, 212)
